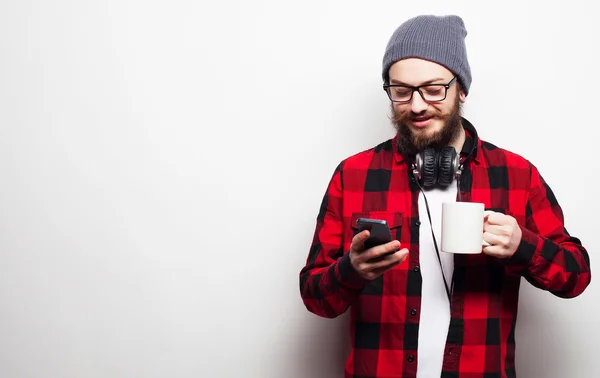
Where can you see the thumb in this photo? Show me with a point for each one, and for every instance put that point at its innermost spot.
(359, 239)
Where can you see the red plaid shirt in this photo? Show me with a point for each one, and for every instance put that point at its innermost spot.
(377, 183)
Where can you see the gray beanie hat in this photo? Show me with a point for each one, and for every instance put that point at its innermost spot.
(440, 39)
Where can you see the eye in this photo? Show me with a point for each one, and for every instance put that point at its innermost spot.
(433, 90)
(401, 91)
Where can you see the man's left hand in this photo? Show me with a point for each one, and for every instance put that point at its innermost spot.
(503, 234)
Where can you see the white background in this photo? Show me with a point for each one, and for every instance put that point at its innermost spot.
(163, 162)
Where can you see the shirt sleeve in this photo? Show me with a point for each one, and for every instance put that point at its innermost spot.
(328, 282)
(548, 256)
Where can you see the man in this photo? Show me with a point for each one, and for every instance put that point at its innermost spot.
(420, 312)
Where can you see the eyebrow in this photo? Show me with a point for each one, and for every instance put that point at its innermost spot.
(423, 83)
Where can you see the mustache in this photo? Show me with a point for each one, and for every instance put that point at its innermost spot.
(411, 116)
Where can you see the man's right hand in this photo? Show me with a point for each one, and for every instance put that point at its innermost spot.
(371, 263)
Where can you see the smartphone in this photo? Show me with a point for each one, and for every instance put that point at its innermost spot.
(379, 232)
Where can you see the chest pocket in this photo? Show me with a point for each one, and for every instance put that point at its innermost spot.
(393, 219)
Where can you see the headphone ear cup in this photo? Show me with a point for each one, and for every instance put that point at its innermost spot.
(446, 170)
(430, 167)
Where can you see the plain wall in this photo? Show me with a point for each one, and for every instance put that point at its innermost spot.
(162, 164)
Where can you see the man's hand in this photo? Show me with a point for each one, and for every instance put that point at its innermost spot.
(371, 263)
(503, 234)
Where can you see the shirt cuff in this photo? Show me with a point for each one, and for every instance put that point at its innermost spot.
(524, 255)
(348, 276)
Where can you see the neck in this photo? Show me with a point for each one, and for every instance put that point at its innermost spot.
(459, 140)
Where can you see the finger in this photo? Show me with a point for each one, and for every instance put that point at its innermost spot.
(401, 255)
(397, 251)
(358, 241)
(386, 262)
(492, 239)
(486, 214)
(382, 250)
(494, 229)
(491, 250)
(495, 218)
(379, 271)
(495, 250)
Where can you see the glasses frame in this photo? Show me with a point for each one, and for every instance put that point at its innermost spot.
(386, 88)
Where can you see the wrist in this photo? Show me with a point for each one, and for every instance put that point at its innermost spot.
(348, 276)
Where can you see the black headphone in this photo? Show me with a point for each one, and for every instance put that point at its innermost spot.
(433, 167)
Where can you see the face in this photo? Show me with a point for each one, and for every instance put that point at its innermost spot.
(421, 124)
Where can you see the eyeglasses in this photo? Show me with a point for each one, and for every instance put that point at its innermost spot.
(429, 92)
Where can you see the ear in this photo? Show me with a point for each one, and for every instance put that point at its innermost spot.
(462, 96)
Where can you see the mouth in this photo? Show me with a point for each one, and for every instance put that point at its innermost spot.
(420, 122)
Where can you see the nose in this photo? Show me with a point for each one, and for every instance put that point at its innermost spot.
(417, 104)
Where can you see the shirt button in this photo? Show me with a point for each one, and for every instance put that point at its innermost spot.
(411, 358)
(413, 312)
(417, 223)
(416, 269)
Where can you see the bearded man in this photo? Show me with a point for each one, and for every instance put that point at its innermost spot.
(417, 311)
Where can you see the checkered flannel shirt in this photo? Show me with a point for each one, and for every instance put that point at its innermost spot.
(384, 313)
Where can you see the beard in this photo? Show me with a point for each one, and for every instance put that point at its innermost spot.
(410, 143)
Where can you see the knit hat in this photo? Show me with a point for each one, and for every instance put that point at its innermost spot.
(440, 39)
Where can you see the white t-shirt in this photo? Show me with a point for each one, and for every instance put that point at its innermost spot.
(435, 309)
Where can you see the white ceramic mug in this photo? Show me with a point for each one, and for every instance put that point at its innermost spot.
(462, 227)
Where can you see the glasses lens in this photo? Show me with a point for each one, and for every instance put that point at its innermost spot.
(400, 93)
(433, 92)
